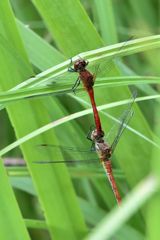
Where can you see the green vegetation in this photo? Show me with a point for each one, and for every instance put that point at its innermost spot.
(53, 201)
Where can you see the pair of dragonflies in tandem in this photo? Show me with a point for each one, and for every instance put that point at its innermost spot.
(104, 149)
(87, 78)
(101, 147)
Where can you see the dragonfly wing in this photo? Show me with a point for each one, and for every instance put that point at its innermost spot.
(70, 163)
(90, 167)
(67, 148)
(116, 131)
(122, 127)
(62, 78)
(105, 66)
(61, 153)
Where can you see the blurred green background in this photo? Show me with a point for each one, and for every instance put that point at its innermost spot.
(47, 201)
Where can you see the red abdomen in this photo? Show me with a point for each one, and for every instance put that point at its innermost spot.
(87, 79)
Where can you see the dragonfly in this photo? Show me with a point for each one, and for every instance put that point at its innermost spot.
(88, 78)
(103, 147)
(88, 81)
(87, 74)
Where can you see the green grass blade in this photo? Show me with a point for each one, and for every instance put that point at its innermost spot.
(26, 117)
(77, 21)
(70, 117)
(11, 221)
(117, 217)
(59, 88)
(153, 210)
(106, 21)
(33, 43)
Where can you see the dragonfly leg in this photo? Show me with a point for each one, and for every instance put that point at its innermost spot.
(93, 149)
(90, 132)
(70, 69)
(89, 138)
(76, 84)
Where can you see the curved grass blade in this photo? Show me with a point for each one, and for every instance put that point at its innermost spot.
(74, 116)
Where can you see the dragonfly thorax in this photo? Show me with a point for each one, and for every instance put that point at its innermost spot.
(104, 150)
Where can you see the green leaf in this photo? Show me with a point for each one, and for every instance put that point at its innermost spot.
(11, 221)
(77, 28)
(114, 220)
(64, 218)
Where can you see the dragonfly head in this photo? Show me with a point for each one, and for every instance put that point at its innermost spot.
(97, 136)
(80, 65)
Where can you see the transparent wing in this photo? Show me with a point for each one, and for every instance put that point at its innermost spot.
(59, 85)
(67, 148)
(69, 162)
(80, 168)
(104, 66)
(63, 78)
(61, 153)
(123, 125)
(116, 131)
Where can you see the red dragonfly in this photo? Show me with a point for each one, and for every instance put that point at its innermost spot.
(104, 148)
(88, 80)
(105, 151)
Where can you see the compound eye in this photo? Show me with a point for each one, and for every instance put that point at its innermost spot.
(80, 65)
(84, 63)
(77, 65)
